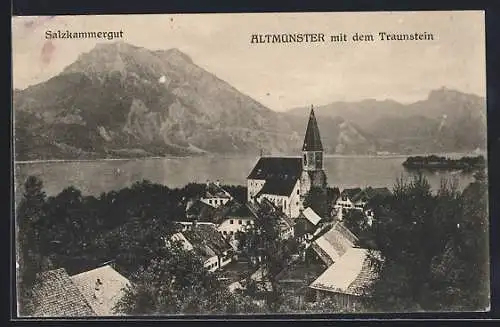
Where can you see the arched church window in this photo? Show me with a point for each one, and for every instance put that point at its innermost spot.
(305, 160)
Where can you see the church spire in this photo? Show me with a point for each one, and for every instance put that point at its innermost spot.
(312, 140)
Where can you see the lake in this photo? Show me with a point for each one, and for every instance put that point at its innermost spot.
(94, 177)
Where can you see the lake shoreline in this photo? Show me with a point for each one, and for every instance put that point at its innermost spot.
(346, 156)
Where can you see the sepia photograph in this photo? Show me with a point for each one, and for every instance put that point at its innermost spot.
(250, 164)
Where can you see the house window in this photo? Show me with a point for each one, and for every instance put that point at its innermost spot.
(231, 221)
(239, 222)
(210, 201)
(297, 203)
(298, 191)
(224, 232)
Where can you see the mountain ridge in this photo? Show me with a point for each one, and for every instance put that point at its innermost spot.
(120, 100)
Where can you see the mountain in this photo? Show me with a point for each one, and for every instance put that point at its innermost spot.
(119, 100)
(446, 121)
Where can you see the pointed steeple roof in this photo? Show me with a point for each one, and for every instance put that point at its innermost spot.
(312, 140)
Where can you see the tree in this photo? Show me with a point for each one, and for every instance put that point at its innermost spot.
(176, 282)
(434, 248)
(30, 211)
(317, 200)
(264, 241)
(355, 221)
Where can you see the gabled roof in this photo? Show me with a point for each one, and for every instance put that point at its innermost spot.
(111, 290)
(351, 274)
(213, 190)
(269, 207)
(232, 209)
(200, 210)
(369, 192)
(336, 241)
(350, 192)
(206, 240)
(312, 140)
(277, 169)
(55, 295)
(311, 216)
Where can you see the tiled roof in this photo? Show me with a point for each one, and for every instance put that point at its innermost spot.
(104, 298)
(277, 169)
(207, 241)
(349, 275)
(350, 192)
(55, 295)
(270, 208)
(370, 192)
(336, 241)
(215, 191)
(231, 209)
(200, 210)
(312, 140)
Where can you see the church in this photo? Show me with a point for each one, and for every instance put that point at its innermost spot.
(286, 181)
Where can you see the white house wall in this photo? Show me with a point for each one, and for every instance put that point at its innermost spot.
(226, 228)
(295, 201)
(212, 264)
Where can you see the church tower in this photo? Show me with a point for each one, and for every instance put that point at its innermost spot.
(312, 150)
(313, 174)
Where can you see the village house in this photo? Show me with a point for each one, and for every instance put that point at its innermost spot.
(208, 243)
(306, 224)
(286, 181)
(266, 207)
(331, 243)
(358, 199)
(347, 280)
(88, 294)
(346, 199)
(215, 195)
(233, 217)
(102, 287)
(197, 210)
(229, 218)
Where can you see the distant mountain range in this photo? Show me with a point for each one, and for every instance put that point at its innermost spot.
(119, 100)
(447, 121)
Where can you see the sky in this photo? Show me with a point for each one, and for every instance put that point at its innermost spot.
(282, 76)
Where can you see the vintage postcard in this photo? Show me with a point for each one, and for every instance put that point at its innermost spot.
(259, 163)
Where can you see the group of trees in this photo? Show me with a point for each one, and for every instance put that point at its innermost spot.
(264, 244)
(175, 282)
(75, 231)
(436, 162)
(434, 248)
(320, 201)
